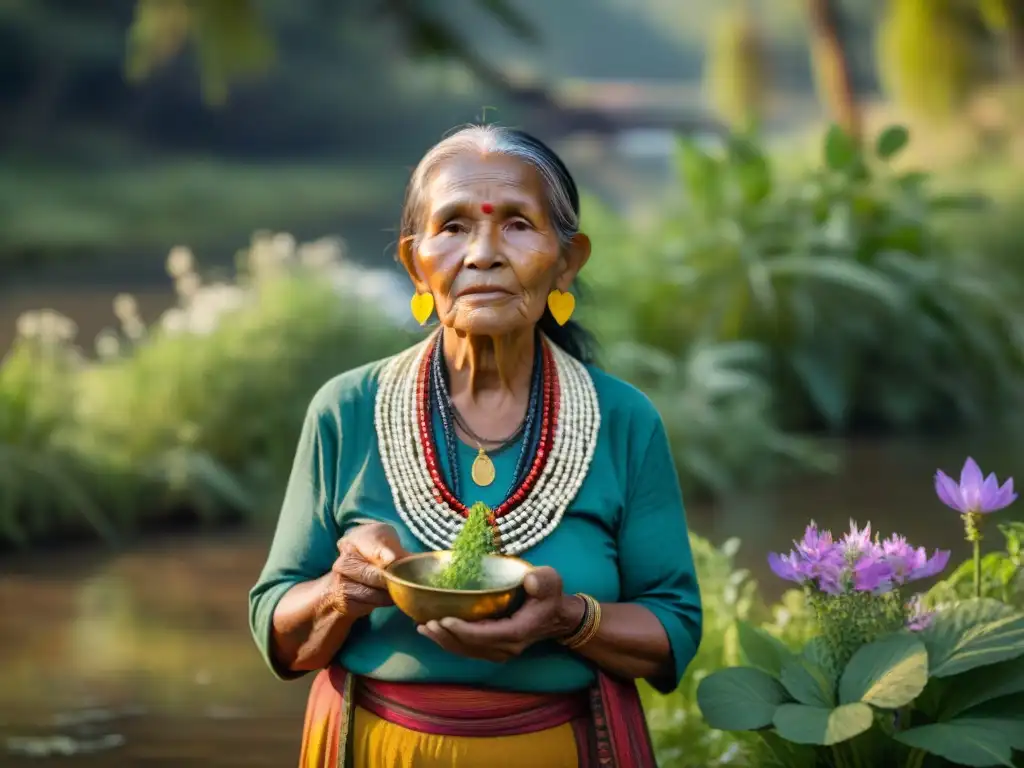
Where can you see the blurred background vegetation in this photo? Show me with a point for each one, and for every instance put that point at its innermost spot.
(807, 219)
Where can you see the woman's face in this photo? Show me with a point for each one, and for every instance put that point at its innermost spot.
(487, 250)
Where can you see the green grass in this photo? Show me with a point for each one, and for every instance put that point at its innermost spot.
(189, 200)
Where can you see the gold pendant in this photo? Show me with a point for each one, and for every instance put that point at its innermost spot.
(482, 471)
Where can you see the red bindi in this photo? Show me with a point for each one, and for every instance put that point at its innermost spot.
(487, 208)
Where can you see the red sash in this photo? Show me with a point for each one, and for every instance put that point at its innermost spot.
(607, 720)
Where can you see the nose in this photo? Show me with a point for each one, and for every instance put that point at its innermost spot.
(483, 251)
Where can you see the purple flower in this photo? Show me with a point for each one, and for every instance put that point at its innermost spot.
(975, 494)
(871, 574)
(856, 563)
(857, 543)
(789, 567)
(910, 564)
(813, 556)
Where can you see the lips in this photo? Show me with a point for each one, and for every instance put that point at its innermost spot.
(483, 290)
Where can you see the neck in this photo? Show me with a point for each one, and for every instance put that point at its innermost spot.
(489, 364)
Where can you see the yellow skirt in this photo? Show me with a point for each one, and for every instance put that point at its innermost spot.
(377, 743)
(379, 725)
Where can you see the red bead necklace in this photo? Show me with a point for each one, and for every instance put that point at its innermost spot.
(549, 415)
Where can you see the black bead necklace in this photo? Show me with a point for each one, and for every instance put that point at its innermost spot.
(440, 398)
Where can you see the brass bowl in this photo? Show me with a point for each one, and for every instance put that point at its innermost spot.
(408, 582)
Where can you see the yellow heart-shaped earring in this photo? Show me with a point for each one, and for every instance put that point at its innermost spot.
(561, 306)
(422, 304)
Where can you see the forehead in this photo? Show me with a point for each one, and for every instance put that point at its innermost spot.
(475, 177)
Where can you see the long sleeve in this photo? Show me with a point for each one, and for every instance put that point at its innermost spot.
(305, 542)
(655, 561)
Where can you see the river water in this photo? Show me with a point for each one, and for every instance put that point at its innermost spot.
(143, 657)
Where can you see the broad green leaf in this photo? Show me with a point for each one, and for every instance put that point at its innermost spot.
(751, 170)
(973, 634)
(856, 278)
(1005, 715)
(841, 150)
(817, 725)
(1011, 729)
(971, 745)
(740, 699)
(891, 141)
(786, 754)
(760, 649)
(982, 685)
(930, 702)
(699, 173)
(807, 677)
(889, 673)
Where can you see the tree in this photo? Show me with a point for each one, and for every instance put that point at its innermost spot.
(832, 66)
(232, 40)
(736, 75)
(1006, 18)
(931, 54)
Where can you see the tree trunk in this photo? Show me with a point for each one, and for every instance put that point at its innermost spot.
(1015, 39)
(831, 66)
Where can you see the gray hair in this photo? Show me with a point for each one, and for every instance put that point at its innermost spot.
(560, 189)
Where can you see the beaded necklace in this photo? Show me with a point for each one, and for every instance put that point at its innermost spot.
(567, 425)
(440, 398)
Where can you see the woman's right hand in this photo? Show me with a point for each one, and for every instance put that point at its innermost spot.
(363, 552)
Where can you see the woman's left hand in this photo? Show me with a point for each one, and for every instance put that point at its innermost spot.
(546, 614)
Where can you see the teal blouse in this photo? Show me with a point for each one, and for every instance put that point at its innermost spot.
(623, 539)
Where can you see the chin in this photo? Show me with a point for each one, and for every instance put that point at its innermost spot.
(490, 322)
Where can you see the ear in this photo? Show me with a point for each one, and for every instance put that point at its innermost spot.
(574, 258)
(407, 255)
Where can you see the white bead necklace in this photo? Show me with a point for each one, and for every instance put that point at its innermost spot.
(432, 520)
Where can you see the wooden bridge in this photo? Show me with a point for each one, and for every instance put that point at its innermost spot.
(609, 108)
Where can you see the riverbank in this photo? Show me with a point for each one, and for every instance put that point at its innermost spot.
(144, 653)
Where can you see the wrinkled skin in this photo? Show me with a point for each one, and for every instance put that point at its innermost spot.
(512, 253)
(359, 584)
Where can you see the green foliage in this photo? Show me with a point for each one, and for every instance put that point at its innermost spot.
(955, 690)
(810, 677)
(891, 142)
(474, 542)
(232, 39)
(1002, 574)
(759, 693)
(888, 673)
(161, 423)
(891, 696)
(965, 743)
(848, 621)
(971, 634)
(802, 724)
(230, 36)
(841, 278)
(761, 650)
(738, 627)
(715, 398)
(44, 483)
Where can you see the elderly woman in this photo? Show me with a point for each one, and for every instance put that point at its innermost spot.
(501, 405)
